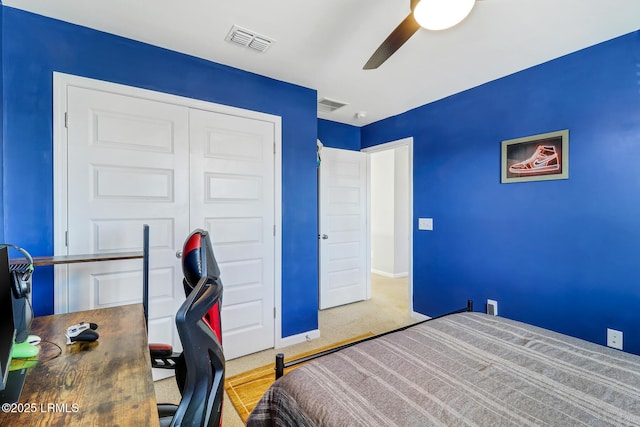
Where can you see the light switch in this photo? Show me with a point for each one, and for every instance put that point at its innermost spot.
(425, 223)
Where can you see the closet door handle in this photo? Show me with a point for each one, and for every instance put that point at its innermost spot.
(325, 237)
(179, 254)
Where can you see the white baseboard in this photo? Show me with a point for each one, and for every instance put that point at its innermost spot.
(387, 274)
(298, 338)
(160, 374)
(418, 316)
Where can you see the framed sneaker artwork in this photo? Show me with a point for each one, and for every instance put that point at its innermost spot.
(536, 158)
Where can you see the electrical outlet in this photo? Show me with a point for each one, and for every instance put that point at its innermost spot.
(492, 307)
(614, 338)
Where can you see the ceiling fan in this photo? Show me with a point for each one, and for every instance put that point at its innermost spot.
(429, 14)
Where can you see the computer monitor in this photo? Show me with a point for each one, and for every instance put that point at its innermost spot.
(21, 271)
(7, 327)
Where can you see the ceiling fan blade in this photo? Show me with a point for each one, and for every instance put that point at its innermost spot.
(397, 38)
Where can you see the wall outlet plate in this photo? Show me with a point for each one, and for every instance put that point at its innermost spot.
(425, 223)
(614, 338)
(492, 307)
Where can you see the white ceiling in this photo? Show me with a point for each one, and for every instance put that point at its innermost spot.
(323, 44)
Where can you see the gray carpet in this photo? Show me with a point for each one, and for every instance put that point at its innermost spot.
(387, 309)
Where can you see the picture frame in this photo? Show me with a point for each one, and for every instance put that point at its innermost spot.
(536, 158)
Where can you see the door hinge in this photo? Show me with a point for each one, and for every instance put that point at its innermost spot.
(274, 147)
(66, 238)
(274, 312)
(274, 230)
(66, 119)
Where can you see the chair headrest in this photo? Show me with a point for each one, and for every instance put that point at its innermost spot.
(192, 256)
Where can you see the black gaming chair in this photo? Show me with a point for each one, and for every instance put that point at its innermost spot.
(200, 367)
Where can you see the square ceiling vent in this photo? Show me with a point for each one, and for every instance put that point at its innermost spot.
(248, 38)
(328, 105)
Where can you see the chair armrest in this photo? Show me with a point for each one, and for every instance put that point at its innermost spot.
(162, 356)
(160, 350)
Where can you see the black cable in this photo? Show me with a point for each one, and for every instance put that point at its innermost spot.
(52, 357)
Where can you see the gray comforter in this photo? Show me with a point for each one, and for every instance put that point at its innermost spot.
(466, 369)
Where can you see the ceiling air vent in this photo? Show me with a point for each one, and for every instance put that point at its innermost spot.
(328, 105)
(248, 38)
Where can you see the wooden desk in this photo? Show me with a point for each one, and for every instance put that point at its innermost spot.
(104, 383)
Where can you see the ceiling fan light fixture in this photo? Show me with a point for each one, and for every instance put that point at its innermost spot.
(441, 14)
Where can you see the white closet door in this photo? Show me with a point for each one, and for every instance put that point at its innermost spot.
(343, 227)
(128, 165)
(232, 196)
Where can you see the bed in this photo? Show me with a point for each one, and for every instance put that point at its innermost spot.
(463, 369)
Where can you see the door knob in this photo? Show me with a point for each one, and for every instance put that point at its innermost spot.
(179, 254)
(325, 237)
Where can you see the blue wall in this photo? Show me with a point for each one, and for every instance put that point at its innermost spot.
(561, 254)
(338, 135)
(35, 46)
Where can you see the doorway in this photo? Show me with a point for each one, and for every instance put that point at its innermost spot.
(390, 219)
(401, 152)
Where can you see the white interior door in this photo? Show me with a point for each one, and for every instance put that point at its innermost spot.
(127, 165)
(232, 196)
(344, 268)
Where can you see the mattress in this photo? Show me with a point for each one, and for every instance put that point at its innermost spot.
(466, 369)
